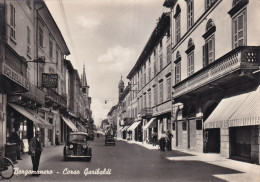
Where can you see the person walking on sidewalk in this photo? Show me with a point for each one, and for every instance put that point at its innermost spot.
(162, 142)
(154, 137)
(35, 149)
(169, 140)
(15, 138)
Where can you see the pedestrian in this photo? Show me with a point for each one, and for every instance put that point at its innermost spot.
(205, 139)
(162, 141)
(169, 140)
(57, 138)
(15, 138)
(154, 138)
(35, 149)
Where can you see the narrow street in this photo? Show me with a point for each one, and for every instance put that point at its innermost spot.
(133, 162)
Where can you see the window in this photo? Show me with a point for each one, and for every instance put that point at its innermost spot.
(178, 28)
(40, 37)
(160, 44)
(173, 126)
(144, 100)
(169, 88)
(149, 99)
(239, 30)
(154, 67)
(184, 125)
(209, 3)
(190, 13)
(198, 124)
(161, 91)
(144, 78)
(211, 44)
(28, 41)
(50, 48)
(178, 72)
(168, 54)
(12, 21)
(209, 47)
(190, 64)
(149, 74)
(161, 62)
(154, 95)
(177, 17)
(57, 57)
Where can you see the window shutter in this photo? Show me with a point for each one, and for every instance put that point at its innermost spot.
(205, 55)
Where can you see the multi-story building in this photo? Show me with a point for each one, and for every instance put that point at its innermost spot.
(151, 77)
(216, 86)
(32, 72)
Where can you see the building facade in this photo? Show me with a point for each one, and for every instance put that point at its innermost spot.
(151, 77)
(215, 91)
(33, 75)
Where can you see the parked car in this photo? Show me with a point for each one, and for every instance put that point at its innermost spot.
(77, 146)
(110, 140)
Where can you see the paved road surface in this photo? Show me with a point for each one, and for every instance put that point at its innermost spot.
(126, 162)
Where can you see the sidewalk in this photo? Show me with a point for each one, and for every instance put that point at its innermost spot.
(249, 172)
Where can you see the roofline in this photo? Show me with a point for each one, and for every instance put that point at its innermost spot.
(67, 51)
(139, 60)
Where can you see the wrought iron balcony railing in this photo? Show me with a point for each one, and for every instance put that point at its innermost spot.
(35, 94)
(53, 96)
(242, 58)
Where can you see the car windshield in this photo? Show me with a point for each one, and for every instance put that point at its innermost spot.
(77, 138)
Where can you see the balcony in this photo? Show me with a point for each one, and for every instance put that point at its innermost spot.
(232, 68)
(36, 95)
(54, 99)
(146, 112)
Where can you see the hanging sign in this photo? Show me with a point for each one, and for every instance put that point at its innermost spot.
(49, 80)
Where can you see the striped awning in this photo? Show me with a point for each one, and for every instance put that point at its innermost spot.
(31, 115)
(83, 128)
(239, 110)
(70, 124)
(125, 128)
(134, 125)
(149, 124)
(120, 128)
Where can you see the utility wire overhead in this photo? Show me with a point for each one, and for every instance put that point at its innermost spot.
(65, 20)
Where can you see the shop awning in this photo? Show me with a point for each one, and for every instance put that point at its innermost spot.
(134, 125)
(149, 124)
(70, 124)
(240, 110)
(31, 115)
(120, 128)
(125, 128)
(82, 127)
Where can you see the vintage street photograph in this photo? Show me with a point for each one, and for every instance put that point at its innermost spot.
(130, 90)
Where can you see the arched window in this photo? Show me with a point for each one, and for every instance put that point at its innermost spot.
(190, 13)
(177, 17)
(209, 47)
(190, 57)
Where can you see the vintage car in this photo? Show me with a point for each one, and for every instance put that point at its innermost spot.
(109, 140)
(77, 146)
(91, 136)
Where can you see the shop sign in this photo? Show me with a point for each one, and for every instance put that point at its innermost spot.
(49, 80)
(16, 77)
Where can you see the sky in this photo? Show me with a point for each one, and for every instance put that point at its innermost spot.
(107, 36)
